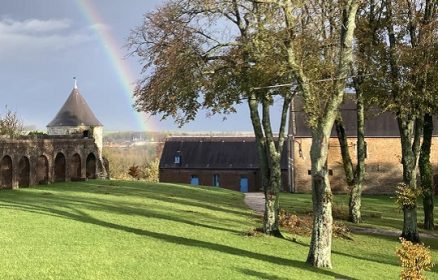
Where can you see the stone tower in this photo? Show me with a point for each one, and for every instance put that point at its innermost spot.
(76, 118)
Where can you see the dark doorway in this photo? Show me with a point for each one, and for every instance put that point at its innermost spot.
(42, 170)
(60, 168)
(75, 167)
(23, 172)
(91, 166)
(6, 172)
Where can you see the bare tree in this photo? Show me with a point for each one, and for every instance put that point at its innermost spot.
(10, 125)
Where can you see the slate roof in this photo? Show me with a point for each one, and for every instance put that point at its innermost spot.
(377, 124)
(213, 153)
(75, 112)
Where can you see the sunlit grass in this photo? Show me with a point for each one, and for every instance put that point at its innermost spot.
(134, 230)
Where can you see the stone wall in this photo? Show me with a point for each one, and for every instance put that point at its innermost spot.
(27, 162)
(383, 164)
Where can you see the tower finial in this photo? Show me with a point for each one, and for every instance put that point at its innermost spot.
(76, 85)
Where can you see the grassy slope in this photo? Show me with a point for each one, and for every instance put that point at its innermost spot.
(377, 210)
(131, 230)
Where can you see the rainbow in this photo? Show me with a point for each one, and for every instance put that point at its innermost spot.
(113, 50)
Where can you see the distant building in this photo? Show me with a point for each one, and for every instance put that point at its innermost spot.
(232, 162)
(383, 151)
(71, 151)
(227, 162)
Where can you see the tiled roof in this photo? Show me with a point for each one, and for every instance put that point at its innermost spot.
(75, 112)
(213, 153)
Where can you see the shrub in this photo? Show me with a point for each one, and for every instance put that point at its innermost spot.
(406, 196)
(151, 171)
(414, 259)
(134, 172)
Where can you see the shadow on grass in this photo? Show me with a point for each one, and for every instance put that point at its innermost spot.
(122, 209)
(192, 196)
(380, 258)
(261, 275)
(73, 213)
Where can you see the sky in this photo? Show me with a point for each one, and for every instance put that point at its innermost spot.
(45, 43)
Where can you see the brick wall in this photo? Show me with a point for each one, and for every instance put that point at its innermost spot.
(383, 164)
(229, 179)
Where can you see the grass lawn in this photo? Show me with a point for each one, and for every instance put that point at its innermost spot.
(378, 211)
(134, 230)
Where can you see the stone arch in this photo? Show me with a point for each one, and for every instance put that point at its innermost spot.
(24, 172)
(60, 167)
(6, 172)
(75, 166)
(91, 166)
(42, 170)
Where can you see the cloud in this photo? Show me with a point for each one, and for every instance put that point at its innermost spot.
(33, 25)
(32, 38)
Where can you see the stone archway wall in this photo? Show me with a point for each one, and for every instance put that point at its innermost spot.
(42, 170)
(6, 172)
(60, 167)
(91, 166)
(24, 172)
(75, 167)
(31, 161)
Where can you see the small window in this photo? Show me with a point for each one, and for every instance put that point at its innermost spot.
(216, 178)
(177, 159)
(86, 133)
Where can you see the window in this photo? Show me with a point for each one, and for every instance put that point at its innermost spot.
(177, 159)
(216, 180)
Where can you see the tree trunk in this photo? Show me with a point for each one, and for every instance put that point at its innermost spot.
(354, 213)
(269, 154)
(409, 141)
(272, 190)
(355, 203)
(273, 151)
(320, 245)
(426, 172)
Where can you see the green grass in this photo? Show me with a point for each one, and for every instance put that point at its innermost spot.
(378, 211)
(134, 230)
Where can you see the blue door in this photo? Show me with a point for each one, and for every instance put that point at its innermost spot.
(194, 181)
(244, 184)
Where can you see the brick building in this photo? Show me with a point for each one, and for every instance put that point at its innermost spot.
(229, 162)
(383, 157)
(232, 162)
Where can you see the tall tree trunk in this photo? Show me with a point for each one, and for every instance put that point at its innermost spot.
(409, 136)
(271, 222)
(354, 213)
(269, 215)
(320, 245)
(321, 242)
(426, 172)
(270, 158)
(273, 151)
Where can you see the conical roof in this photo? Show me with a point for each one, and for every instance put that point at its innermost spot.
(75, 112)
